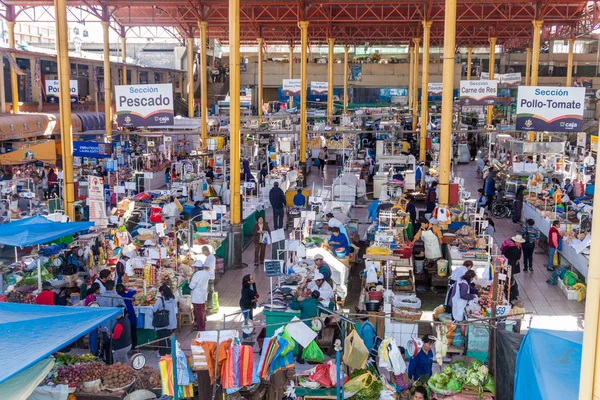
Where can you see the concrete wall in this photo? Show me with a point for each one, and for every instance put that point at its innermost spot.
(373, 75)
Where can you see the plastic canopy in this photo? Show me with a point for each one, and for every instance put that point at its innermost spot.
(548, 365)
(29, 333)
(32, 231)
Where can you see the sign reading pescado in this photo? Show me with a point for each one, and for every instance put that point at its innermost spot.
(552, 109)
(52, 91)
(478, 93)
(144, 105)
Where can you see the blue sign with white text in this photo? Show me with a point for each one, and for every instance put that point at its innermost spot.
(92, 149)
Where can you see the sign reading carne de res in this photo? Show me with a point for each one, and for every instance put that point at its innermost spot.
(552, 109)
(144, 105)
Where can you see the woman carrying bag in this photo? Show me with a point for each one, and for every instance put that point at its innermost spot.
(262, 236)
(165, 318)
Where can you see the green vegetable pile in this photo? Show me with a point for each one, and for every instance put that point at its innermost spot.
(373, 387)
(458, 374)
(67, 359)
(31, 278)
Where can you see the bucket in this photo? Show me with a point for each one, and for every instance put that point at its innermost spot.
(375, 296)
(340, 252)
(442, 266)
(419, 266)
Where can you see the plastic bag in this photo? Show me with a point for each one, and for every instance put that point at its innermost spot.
(356, 353)
(556, 260)
(291, 343)
(570, 278)
(156, 215)
(333, 373)
(359, 383)
(451, 333)
(321, 375)
(312, 352)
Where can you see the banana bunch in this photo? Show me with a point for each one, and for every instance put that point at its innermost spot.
(581, 289)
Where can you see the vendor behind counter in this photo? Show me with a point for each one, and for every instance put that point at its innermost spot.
(338, 241)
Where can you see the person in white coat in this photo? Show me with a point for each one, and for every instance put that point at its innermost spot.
(199, 288)
(462, 294)
(432, 239)
(170, 212)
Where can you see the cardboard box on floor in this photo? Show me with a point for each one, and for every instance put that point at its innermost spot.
(123, 210)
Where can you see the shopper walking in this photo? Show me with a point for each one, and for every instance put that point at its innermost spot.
(431, 199)
(166, 302)
(531, 234)
(259, 231)
(248, 299)
(511, 249)
(277, 200)
(553, 242)
(490, 190)
(518, 204)
(323, 157)
(199, 288)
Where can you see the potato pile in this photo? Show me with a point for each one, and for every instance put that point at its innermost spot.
(117, 376)
(147, 378)
(93, 371)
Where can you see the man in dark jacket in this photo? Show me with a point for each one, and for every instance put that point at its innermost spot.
(121, 338)
(277, 199)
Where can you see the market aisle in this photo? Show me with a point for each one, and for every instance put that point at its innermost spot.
(538, 296)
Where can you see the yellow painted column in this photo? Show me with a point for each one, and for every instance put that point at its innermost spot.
(260, 79)
(107, 83)
(190, 76)
(303, 67)
(234, 111)
(589, 387)
(528, 66)
(411, 68)
(424, 90)
(124, 58)
(447, 101)
(291, 72)
(14, 83)
(203, 25)
(469, 62)
(570, 63)
(64, 95)
(535, 59)
(492, 67)
(416, 85)
(346, 97)
(330, 65)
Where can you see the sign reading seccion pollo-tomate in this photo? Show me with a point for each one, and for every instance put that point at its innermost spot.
(552, 109)
(144, 105)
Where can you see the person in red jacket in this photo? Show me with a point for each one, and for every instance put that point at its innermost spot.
(47, 296)
(553, 239)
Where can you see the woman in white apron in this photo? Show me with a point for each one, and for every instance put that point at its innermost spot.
(462, 294)
(432, 238)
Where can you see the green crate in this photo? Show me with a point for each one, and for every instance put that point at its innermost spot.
(146, 335)
(280, 318)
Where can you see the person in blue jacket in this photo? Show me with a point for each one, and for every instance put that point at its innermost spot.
(366, 331)
(337, 240)
(422, 363)
(127, 295)
(299, 199)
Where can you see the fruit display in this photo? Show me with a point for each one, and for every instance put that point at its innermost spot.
(67, 359)
(117, 376)
(145, 300)
(147, 378)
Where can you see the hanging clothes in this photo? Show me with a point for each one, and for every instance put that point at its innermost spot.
(166, 377)
(210, 352)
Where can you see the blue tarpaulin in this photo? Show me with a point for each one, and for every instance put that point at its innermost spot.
(29, 333)
(548, 365)
(38, 230)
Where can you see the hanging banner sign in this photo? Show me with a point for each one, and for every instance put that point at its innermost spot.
(513, 79)
(13, 63)
(52, 90)
(485, 76)
(434, 89)
(144, 105)
(245, 95)
(38, 73)
(552, 109)
(355, 73)
(96, 202)
(582, 82)
(319, 88)
(581, 139)
(478, 93)
(291, 87)
(92, 149)
(594, 143)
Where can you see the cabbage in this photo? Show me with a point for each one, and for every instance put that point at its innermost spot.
(448, 370)
(439, 379)
(454, 385)
(476, 364)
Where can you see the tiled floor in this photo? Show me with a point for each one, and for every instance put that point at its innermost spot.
(538, 296)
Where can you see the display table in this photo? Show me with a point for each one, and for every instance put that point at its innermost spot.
(456, 259)
(579, 261)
